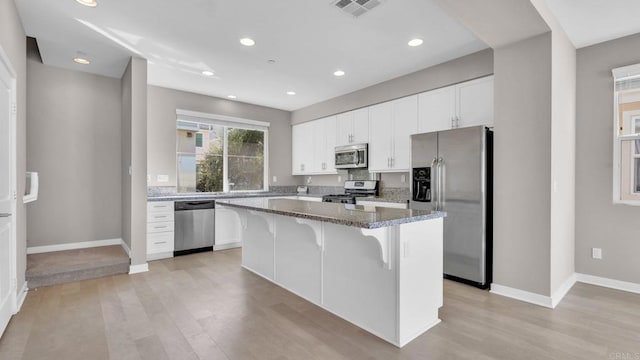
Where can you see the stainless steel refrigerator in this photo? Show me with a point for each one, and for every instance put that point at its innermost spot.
(452, 172)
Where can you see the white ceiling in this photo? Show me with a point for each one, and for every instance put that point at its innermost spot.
(589, 22)
(309, 40)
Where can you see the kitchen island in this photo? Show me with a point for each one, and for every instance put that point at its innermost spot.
(379, 268)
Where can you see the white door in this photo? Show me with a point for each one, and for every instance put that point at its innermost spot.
(7, 201)
(330, 132)
(405, 123)
(360, 126)
(344, 123)
(436, 110)
(475, 102)
(380, 137)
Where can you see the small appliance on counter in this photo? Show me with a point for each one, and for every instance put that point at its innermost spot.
(352, 190)
(303, 189)
(351, 156)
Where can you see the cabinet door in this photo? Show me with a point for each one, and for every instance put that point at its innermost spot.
(344, 123)
(475, 102)
(228, 226)
(436, 109)
(360, 133)
(380, 137)
(318, 145)
(330, 133)
(302, 148)
(405, 122)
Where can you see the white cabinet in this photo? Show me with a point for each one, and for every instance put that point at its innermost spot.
(228, 229)
(385, 204)
(302, 150)
(160, 229)
(390, 127)
(353, 127)
(313, 147)
(466, 104)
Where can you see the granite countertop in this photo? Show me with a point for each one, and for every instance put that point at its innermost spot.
(350, 215)
(214, 196)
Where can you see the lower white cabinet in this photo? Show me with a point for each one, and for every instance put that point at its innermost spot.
(160, 230)
(228, 229)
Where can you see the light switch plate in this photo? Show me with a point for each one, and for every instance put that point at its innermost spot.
(596, 253)
(275, 179)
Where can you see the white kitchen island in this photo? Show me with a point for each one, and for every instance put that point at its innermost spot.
(378, 268)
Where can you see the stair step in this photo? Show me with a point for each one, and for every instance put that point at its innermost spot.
(60, 267)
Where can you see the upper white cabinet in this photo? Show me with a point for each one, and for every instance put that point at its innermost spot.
(390, 126)
(466, 104)
(313, 147)
(353, 127)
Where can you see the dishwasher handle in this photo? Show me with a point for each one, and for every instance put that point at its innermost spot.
(194, 205)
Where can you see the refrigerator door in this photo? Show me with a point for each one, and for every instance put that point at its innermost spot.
(424, 149)
(463, 165)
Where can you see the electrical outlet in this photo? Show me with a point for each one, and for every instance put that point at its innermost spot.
(403, 178)
(309, 180)
(275, 179)
(339, 179)
(596, 253)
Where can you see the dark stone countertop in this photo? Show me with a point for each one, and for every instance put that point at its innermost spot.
(350, 215)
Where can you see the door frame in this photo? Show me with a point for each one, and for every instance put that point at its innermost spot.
(6, 63)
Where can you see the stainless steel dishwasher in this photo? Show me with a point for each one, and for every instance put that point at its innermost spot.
(194, 227)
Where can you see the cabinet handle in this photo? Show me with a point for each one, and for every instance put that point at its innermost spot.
(453, 122)
(160, 242)
(160, 227)
(392, 161)
(457, 121)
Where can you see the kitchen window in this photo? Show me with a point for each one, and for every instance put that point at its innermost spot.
(626, 171)
(217, 153)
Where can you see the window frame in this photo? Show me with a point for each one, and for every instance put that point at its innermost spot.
(227, 122)
(622, 74)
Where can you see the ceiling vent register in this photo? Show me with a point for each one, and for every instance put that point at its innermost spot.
(356, 8)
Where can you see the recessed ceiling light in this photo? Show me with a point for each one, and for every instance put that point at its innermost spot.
(207, 73)
(291, 92)
(247, 42)
(338, 73)
(81, 60)
(89, 3)
(232, 96)
(415, 42)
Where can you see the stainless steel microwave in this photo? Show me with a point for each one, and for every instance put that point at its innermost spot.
(351, 156)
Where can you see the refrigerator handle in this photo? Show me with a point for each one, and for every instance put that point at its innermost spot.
(435, 193)
(442, 173)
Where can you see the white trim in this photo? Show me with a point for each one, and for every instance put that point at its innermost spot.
(189, 115)
(21, 297)
(72, 246)
(140, 268)
(624, 72)
(560, 293)
(125, 247)
(608, 283)
(160, 255)
(522, 295)
(227, 246)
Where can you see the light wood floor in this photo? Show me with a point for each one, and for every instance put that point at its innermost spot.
(205, 306)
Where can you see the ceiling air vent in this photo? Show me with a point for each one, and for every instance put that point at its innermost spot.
(356, 8)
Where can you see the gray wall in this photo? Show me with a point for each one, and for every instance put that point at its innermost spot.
(14, 45)
(522, 169)
(462, 69)
(134, 159)
(162, 105)
(74, 144)
(599, 223)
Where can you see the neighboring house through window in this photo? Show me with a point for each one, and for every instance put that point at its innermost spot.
(626, 171)
(217, 153)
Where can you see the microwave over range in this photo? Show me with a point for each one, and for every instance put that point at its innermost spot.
(351, 156)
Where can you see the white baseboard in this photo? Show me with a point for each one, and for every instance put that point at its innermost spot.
(125, 247)
(72, 246)
(608, 283)
(140, 268)
(232, 245)
(522, 295)
(559, 294)
(21, 296)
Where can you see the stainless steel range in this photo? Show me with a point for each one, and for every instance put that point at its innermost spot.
(352, 190)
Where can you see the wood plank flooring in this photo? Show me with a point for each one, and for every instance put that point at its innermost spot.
(204, 306)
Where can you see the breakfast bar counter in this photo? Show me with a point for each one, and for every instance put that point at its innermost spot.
(378, 268)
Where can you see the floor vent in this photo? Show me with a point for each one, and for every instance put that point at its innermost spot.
(356, 8)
